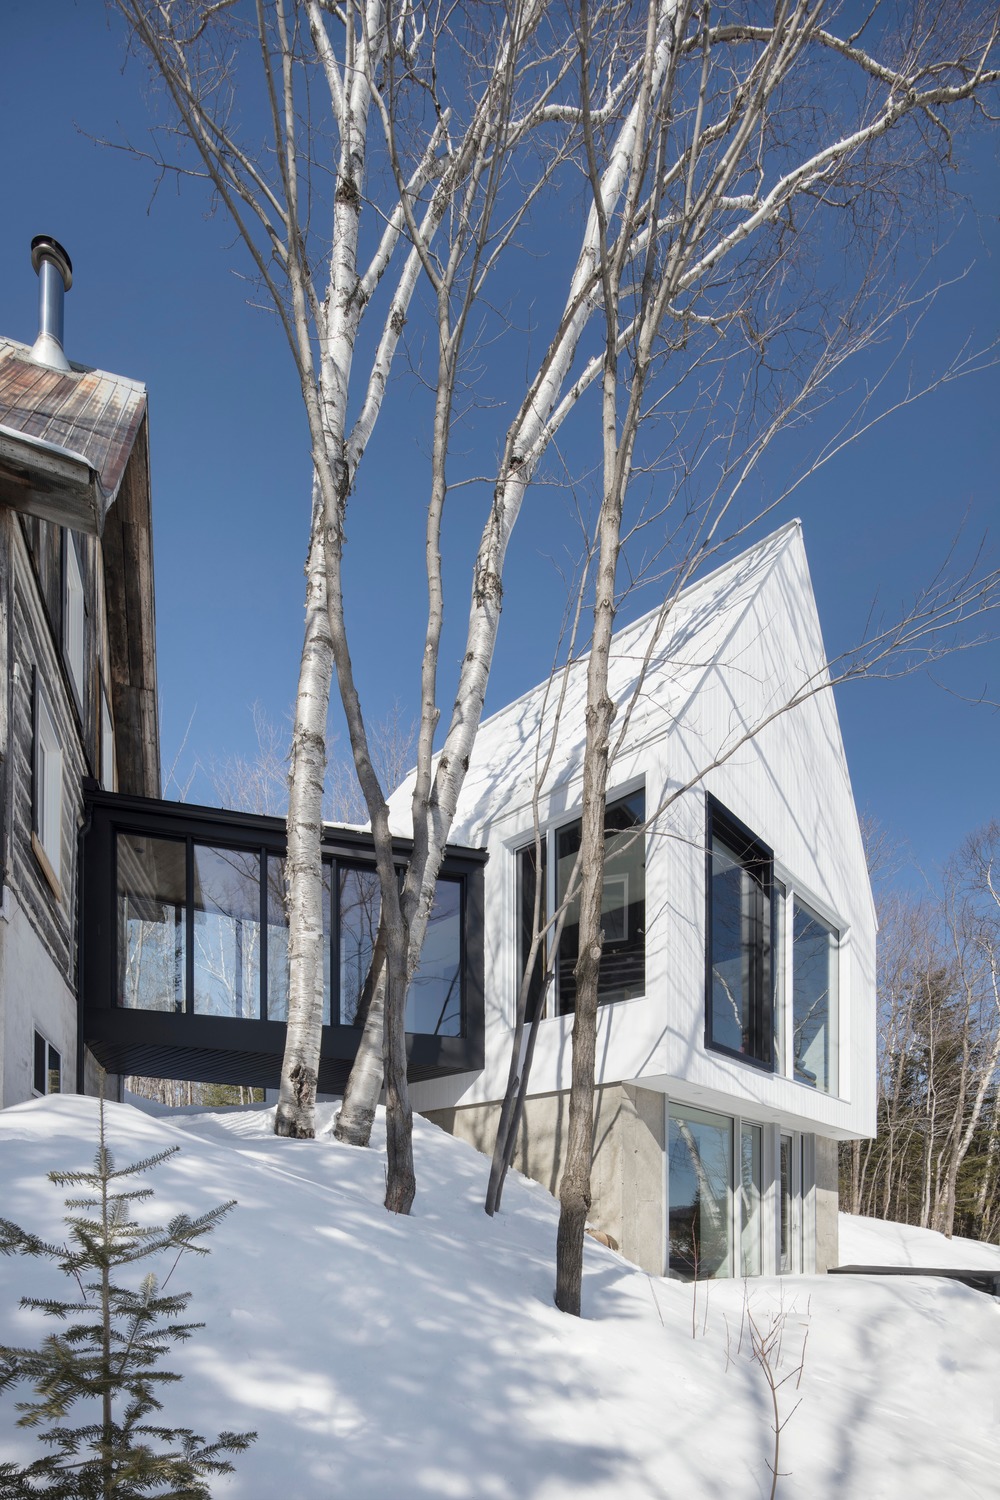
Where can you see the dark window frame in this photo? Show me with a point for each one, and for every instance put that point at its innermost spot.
(335, 862)
(237, 1050)
(540, 993)
(757, 859)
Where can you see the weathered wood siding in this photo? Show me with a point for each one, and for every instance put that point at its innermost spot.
(131, 627)
(37, 649)
(39, 940)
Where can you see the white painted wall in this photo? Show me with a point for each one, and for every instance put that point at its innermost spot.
(35, 998)
(741, 643)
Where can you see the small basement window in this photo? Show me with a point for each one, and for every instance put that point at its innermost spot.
(48, 1067)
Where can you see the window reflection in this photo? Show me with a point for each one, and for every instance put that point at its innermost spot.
(700, 1174)
(813, 976)
(277, 940)
(152, 932)
(434, 999)
(730, 949)
(227, 933)
(221, 935)
(531, 889)
(360, 904)
(751, 1243)
(622, 974)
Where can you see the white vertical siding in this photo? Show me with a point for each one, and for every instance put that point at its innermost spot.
(744, 643)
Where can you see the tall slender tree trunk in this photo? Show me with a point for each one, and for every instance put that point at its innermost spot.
(364, 1085)
(304, 867)
(575, 1186)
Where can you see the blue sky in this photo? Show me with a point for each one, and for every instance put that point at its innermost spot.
(158, 295)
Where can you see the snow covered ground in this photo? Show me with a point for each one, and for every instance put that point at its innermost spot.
(421, 1358)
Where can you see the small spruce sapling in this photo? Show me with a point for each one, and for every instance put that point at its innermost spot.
(109, 1353)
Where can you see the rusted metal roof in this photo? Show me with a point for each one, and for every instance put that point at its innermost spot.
(79, 427)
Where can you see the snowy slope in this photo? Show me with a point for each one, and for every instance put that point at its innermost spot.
(870, 1242)
(384, 1358)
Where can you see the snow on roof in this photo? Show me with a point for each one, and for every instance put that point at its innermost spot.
(677, 645)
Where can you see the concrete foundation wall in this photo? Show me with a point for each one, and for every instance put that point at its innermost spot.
(827, 1204)
(627, 1181)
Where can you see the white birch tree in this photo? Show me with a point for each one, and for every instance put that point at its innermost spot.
(718, 152)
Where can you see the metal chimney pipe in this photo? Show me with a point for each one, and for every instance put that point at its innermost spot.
(55, 277)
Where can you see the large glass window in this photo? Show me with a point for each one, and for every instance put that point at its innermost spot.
(152, 927)
(700, 1175)
(814, 978)
(227, 934)
(623, 906)
(190, 936)
(277, 940)
(532, 910)
(751, 1239)
(359, 905)
(738, 1197)
(434, 999)
(738, 984)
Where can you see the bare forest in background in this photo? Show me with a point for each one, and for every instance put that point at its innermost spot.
(935, 1161)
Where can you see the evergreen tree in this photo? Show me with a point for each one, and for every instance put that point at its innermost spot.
(110, 1351)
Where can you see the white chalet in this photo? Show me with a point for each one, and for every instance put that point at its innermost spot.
(736, 1040)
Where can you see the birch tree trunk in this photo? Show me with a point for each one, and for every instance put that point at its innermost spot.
(304, 872)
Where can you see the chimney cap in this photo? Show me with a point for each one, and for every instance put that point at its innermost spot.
(44, 247)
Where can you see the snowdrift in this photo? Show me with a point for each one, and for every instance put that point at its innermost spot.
(421, 1358)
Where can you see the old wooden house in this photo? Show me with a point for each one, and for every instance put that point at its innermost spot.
(77, 640)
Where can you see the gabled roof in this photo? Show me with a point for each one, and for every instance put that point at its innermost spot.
(65, 438)
(671, 649)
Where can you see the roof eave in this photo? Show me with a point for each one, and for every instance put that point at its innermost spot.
(55, 484)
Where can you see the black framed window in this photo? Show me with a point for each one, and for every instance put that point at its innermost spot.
(814, 954)
(202, 929)
(739, 1008)
(151, 906)
(359, 904)
(700, 1191)
(623, 955)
